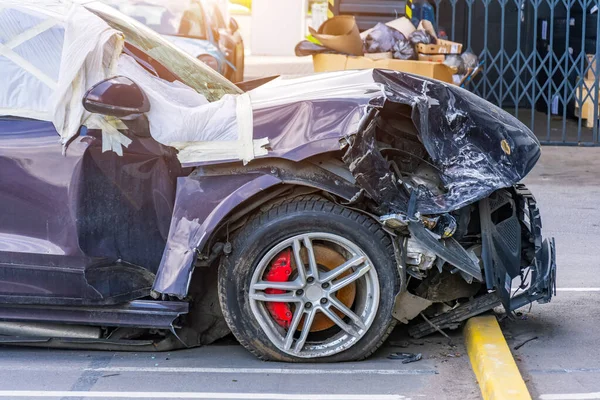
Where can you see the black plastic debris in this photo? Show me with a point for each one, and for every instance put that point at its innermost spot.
(382, 39)
(403, 50)
(406, 357)
(517, 347)
(419, 36)
(308, 48)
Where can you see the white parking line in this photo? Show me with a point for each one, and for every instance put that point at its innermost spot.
(571, 396)
(571, 289)
(278, 371)
(197, 395)
(208, 370)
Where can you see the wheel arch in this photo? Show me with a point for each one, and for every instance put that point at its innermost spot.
(232, 191)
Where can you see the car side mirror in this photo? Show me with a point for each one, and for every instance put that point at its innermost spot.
(233, 25)
(117, 97)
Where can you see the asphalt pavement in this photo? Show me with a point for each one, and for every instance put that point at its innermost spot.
(227, 371)
(564, 361)
(560, 362)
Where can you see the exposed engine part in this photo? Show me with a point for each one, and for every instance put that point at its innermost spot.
(445, 287)
(430, 222)
(427, 176)
(46, 329)
(419, 257)
(443, 225)
(449, 250)
(394, 221)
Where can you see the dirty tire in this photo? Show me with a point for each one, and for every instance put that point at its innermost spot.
(284, 220)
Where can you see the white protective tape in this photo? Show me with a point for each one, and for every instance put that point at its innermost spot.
(112, 139)
(245, 148)
(89, 55)
(250, 148)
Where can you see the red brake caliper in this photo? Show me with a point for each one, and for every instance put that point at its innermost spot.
(280, 271)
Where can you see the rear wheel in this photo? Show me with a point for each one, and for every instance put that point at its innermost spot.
(310, 281)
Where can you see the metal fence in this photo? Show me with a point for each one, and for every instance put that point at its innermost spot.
(537, 58)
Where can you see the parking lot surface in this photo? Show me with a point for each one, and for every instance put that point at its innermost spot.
(226, 370)
(564, 361)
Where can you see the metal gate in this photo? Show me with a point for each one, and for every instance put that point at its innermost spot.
(538, 57)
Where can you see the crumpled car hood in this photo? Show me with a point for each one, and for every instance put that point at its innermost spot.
(477, 147)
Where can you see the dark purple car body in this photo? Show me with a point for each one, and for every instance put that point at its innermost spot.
(119, 242)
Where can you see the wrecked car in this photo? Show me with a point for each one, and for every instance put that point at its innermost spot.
(150, 204)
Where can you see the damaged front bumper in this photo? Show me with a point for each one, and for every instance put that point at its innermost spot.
(512, 249)
(542, 282)
(538, 277)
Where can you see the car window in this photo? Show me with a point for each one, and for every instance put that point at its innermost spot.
(189, 70)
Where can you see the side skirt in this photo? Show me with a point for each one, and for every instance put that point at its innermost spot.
(168, 343)
(137, 314)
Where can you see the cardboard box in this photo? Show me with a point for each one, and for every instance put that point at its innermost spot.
(402, 24)
(340, 33)
(380, 56)
(586, 89)
(587, 113)
(591, 74)
(442, 47)
(432, 57)
(339, 62)
(427, 26)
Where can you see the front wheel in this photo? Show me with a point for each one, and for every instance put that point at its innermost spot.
(309, 280)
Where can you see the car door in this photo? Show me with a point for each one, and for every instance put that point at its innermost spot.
(79, 225)
(40, 256)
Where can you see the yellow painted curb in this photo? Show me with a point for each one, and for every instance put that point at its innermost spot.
(491, 359)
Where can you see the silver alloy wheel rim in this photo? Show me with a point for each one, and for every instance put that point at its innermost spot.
(324, 285)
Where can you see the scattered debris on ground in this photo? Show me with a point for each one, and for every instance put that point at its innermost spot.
(406, 357)
(517, 347)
